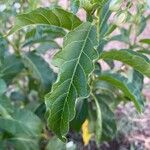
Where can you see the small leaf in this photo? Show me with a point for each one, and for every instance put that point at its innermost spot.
(142, 25)
(72, 82)
(104, 28)
(44, 16)
(145, 41)
(103, 17)
(25, 128)
(136, 60)
(130, 90)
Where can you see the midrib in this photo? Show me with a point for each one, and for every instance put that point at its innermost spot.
(75, 71)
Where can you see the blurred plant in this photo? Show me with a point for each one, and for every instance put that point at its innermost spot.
(83, 92)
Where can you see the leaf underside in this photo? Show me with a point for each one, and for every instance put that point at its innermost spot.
(75, 62)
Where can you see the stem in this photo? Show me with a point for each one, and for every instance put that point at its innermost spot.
(14, 47)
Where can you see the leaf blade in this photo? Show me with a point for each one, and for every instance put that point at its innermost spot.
(130, 90)
(44, 16)
(73, 76)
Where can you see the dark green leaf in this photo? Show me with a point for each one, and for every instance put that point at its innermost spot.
(3, 48)
(25, 128)
(72, 82)
(103, 17)
(23, 123)
(3, 86)
(81, 114)
(11, 66)
(39, 69)
(108, 120)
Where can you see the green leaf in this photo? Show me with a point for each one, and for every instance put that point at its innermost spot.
(5, 106)
(145, 41)
(39, 69)
(72, 83)
(130, 90)
(81, 114)
(44, 16)
(108, 120)
(98, 122)
(144, 51)
(3, 86)
(136, 60)
(104, 15)
(74, 6)
(47, 45)
(11, 66)
(3, 48)
(55, 144)
(44, 34)
(102, 119)
(23, 126)
(23, 123)
(104, 28)
(142, 25)
(53, 31)
(123, 37)
(138, 79)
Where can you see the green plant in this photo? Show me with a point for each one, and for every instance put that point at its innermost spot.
(82, 89)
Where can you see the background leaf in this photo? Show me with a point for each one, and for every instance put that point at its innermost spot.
(39, 69)
(11, 66)
(136, 60)
(44, 16)
(130, 90)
